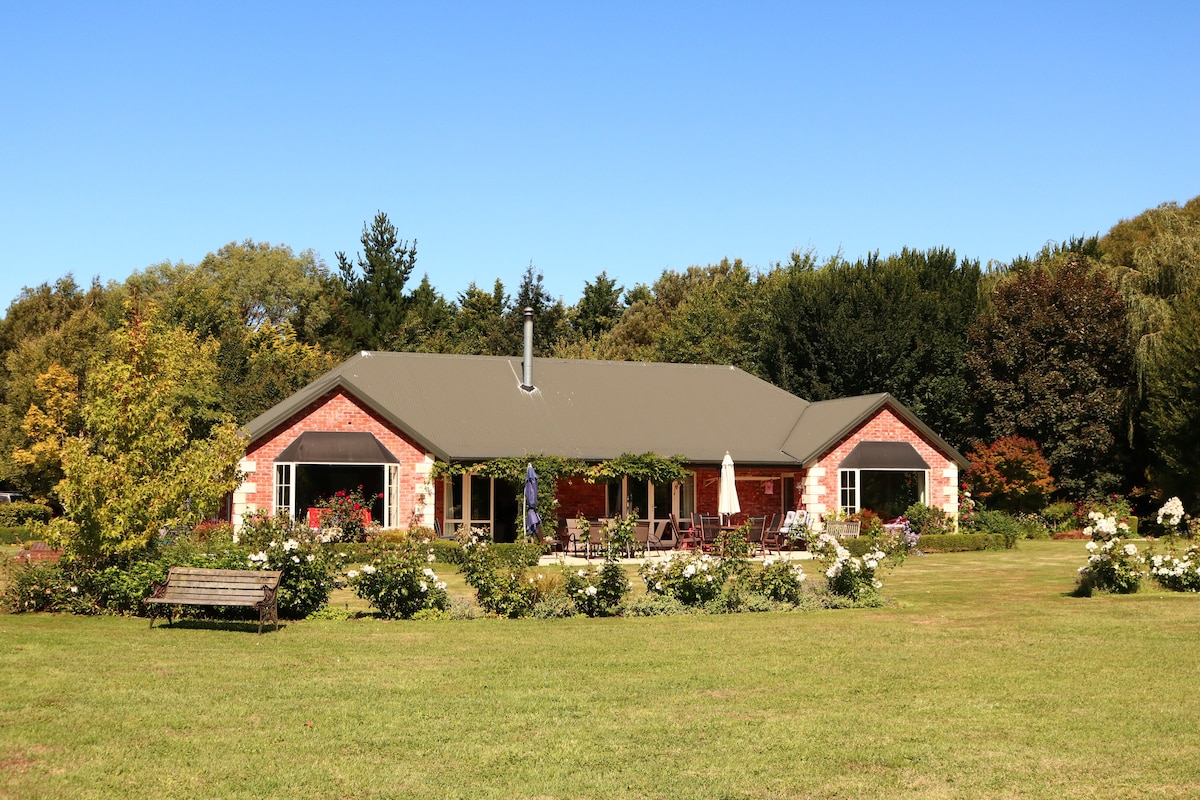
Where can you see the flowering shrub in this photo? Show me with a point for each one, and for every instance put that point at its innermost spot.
(597, 591)
(1113, 565)
(779, 580)
(846, 575)
(499, 588)
(399, 582)
(691, 579)
(1178, 574)
(1171, 516)
(966, 506)
(41, 586)
(925, 520)
(279, 543)
(346, 520)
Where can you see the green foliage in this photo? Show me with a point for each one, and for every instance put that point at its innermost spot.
(598, 308)
(1059, 516)
(40, 586)
(1113, 564)
(154, 454)
(1172, 413)
(1177, 572)
(399, 581)
(1051, 362)
(499, 589)
(375, 304)
(46, 330)
(779, 580)
(926, 520)
(13, 515)
(997, 523)
(288, 546)
(654, 605)
(962, 542)
(847, 575)
(644, 467)
(692, 579)
(597, 591)
(13, 535)
(897, 324)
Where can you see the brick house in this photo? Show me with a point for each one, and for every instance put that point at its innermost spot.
(381, 420)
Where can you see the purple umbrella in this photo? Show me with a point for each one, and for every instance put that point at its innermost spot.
(533, 522)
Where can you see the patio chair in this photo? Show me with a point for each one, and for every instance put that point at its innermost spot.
(574, 536)
(776, 537)
(662, 531)
(710, 531)
(597, 536)
(641, 537)
(685, 539)
(758, 531)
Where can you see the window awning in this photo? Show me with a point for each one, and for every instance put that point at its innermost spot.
(337, 447)
(884, 455)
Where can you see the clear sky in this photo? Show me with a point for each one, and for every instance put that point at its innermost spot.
(629, 137)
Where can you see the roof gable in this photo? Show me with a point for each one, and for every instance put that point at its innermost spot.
(472, 408)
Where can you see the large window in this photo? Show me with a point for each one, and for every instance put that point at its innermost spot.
(888, 493)
(649, 500)
(478, 502)
(301, 487)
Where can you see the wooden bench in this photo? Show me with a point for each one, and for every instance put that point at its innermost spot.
(843, 530)
(191, 586)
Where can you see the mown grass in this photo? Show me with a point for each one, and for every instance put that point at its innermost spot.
(984, 679)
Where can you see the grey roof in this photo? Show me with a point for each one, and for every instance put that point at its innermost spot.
(471, 408)
(824, 424)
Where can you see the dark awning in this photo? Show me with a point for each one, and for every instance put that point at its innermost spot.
(884, 455)
(337, 447)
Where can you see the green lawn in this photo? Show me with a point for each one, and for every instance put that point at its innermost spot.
(983, 680)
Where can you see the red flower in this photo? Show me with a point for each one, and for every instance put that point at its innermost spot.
(357, 506)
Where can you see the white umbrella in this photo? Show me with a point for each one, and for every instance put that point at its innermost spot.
(727, 499)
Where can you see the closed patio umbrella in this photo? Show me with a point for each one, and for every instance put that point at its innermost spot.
(727, 499)
(533, 522)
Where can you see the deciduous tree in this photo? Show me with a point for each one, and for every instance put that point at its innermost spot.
(154, 453)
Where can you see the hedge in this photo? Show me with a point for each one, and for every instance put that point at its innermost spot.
(17, 514)
(13, 535)
(961, 542)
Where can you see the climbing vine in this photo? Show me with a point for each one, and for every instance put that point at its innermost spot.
(549, 469)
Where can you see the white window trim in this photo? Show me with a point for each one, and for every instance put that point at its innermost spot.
(293, 466)
(858, 486)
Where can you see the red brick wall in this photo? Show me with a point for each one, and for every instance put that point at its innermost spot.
(885, 426)
(335, 411)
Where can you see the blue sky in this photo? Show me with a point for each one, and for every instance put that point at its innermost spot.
(624, 137)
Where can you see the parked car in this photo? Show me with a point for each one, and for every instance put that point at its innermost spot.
(11, 497)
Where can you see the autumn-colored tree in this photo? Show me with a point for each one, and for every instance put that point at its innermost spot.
(48, 424)
(153, 453)
(1010, 474)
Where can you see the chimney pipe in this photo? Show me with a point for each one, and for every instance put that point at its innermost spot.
(527, 371)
